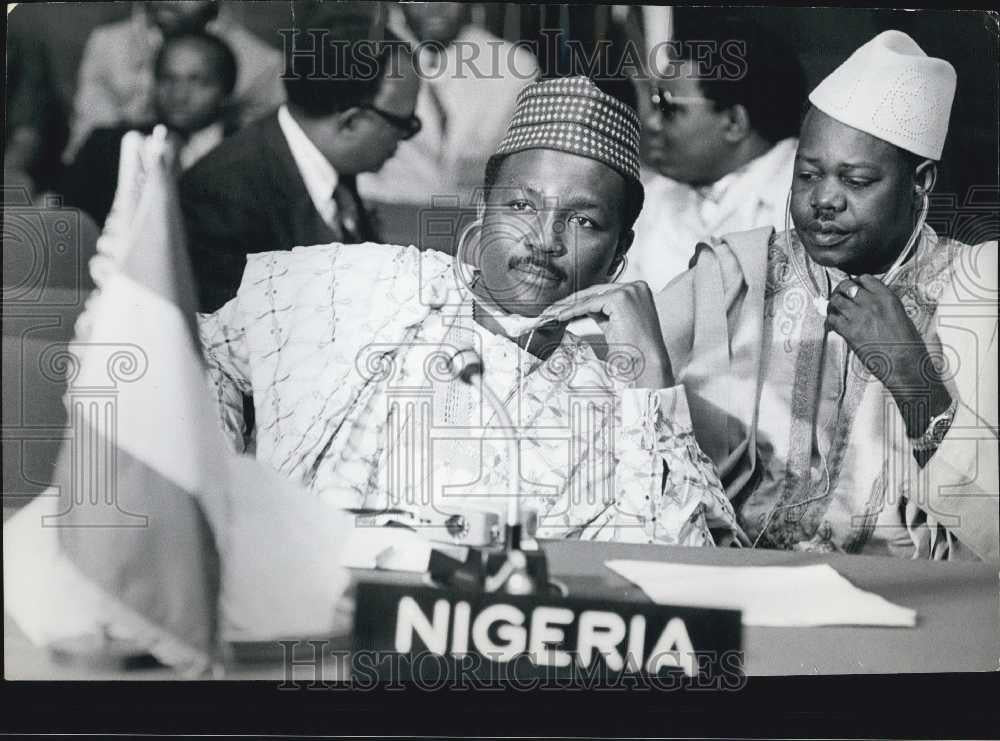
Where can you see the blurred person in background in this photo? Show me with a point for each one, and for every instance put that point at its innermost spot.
(35, 128)
(116, 73)
(289, 179)
(721, 136)
(194, 76)
(470, 81)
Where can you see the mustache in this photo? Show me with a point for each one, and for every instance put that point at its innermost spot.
(537, 261)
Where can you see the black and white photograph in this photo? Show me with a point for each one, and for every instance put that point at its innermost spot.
(389, 357)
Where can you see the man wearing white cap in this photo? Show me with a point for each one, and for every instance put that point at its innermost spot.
(342, 346)
(856, 407)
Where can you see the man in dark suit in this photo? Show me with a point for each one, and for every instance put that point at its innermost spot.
(194, 76)
(288, 180)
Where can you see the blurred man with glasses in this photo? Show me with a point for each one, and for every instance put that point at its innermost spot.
(470, 82)
(720, 135)
(290, 179)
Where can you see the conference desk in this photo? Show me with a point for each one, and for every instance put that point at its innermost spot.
(958, 617)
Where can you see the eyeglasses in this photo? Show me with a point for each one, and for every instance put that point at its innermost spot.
(409, 125)
(669, 104)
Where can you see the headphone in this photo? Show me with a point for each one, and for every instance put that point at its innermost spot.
(622, 264)
(930, 178)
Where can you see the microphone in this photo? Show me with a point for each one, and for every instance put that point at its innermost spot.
(467, 366)
(514, 571)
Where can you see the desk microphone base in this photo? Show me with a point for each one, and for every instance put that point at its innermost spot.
(495, 570)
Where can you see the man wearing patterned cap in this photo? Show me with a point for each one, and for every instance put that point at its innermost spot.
(855, 406)
(345, 351)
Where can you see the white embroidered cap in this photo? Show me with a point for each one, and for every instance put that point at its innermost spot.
(573, 115)
(891, 89)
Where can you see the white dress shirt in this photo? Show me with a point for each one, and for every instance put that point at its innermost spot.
(317, 173)
(675, 216)
(477, 98)
(201, 143)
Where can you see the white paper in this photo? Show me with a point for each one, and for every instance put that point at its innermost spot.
(387, 548)
(773, 596)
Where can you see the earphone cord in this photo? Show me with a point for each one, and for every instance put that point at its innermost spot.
(911, 244)
(458, 262)
(520, 369)
(775, 508)
(817, 294)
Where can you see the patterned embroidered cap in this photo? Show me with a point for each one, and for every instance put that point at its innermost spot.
(571, 114)
(891, 89)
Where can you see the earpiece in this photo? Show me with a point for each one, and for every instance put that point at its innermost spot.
(618, 266)
(930, 176)
(464, 272)
(617, 273)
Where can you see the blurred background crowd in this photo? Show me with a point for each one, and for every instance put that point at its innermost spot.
(78, 71)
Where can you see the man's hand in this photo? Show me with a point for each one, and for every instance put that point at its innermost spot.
(873, 322)
(627, 316)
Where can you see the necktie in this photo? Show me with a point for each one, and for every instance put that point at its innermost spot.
(347, 216)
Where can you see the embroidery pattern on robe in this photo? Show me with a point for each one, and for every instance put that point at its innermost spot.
(799, 513)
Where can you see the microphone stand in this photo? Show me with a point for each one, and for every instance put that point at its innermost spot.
(509, 569)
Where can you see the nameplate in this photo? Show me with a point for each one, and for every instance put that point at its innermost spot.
(405, 632)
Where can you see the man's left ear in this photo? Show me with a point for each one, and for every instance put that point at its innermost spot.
(620, 253)
(924, 177)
